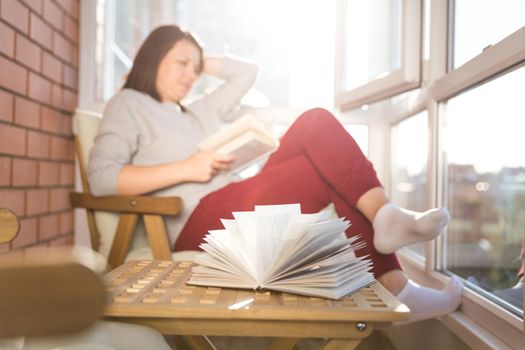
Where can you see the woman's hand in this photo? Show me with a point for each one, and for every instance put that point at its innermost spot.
(200, 167)
(203, 166)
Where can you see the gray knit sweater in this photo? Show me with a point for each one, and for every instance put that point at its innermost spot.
(136, 129)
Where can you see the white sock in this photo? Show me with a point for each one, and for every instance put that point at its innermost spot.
(425, 303)
(395, 227)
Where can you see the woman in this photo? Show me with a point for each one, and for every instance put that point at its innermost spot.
(147, 143)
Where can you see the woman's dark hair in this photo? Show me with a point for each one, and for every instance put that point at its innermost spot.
(143, 74)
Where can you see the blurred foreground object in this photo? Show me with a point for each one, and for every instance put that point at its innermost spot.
(46, 291)
(9, 225)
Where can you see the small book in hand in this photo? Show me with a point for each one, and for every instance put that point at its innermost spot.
(246, 139)
(277, 248)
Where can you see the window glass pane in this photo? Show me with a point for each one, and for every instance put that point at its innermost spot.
(484, 146)
(100, 20)
(480, 23)
(121, 28)
(372, 47)
(408, 166)
(360, 134)
(296, 59)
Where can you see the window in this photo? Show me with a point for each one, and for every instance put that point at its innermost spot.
(295, 57)
(408, 167)
(485, 176)
(360, 52)
(473, 115)
(378, 50)
(121, 28)
(491, 23)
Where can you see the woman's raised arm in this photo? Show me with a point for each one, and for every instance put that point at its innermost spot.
(238, 75)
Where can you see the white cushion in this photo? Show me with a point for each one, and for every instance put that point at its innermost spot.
(103, 335)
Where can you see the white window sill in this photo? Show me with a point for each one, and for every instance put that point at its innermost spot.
(479, 322)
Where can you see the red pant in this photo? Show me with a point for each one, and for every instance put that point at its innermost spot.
(317, 163)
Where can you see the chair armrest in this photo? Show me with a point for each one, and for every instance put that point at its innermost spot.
(128, 204)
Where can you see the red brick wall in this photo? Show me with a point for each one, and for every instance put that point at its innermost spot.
(38, 94)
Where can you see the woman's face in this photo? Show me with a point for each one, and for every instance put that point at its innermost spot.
(177, 71)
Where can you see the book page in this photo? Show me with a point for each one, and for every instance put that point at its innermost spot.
(318, 235)
(250, 148)
(333, 274)
(296, 227)
(241, 246)
(246, 139)
(338, 253)
(223, 258)
(223, 248)
(271, 220)
(247, 231)
(278, 248)
(362, 280)
(231, 131)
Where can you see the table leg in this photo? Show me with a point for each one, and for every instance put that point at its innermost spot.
(283, 343)
(341, 344)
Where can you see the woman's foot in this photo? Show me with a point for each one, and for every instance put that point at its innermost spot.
(395, 227)
(425, 303)
(513, 295)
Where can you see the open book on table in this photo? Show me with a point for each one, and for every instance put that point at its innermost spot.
(246, 139)
(277, 248)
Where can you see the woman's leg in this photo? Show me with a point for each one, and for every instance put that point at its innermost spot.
(292, 181)
(423, 302)
(342, 169)
(337, 157)
(318, 135)
(397, 227)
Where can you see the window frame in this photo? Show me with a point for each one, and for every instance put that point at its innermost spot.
(480, 322)
(420, 260)
(87, 69)
(494, 60)
(406, 78)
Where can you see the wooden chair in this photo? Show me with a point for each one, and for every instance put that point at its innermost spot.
(115, 242)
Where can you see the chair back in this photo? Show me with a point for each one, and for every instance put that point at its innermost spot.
(85, 128)
(102, 225)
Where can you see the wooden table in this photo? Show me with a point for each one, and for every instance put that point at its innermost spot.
(154, 293)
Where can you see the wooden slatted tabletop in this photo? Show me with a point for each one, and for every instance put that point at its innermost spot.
(154, 293)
